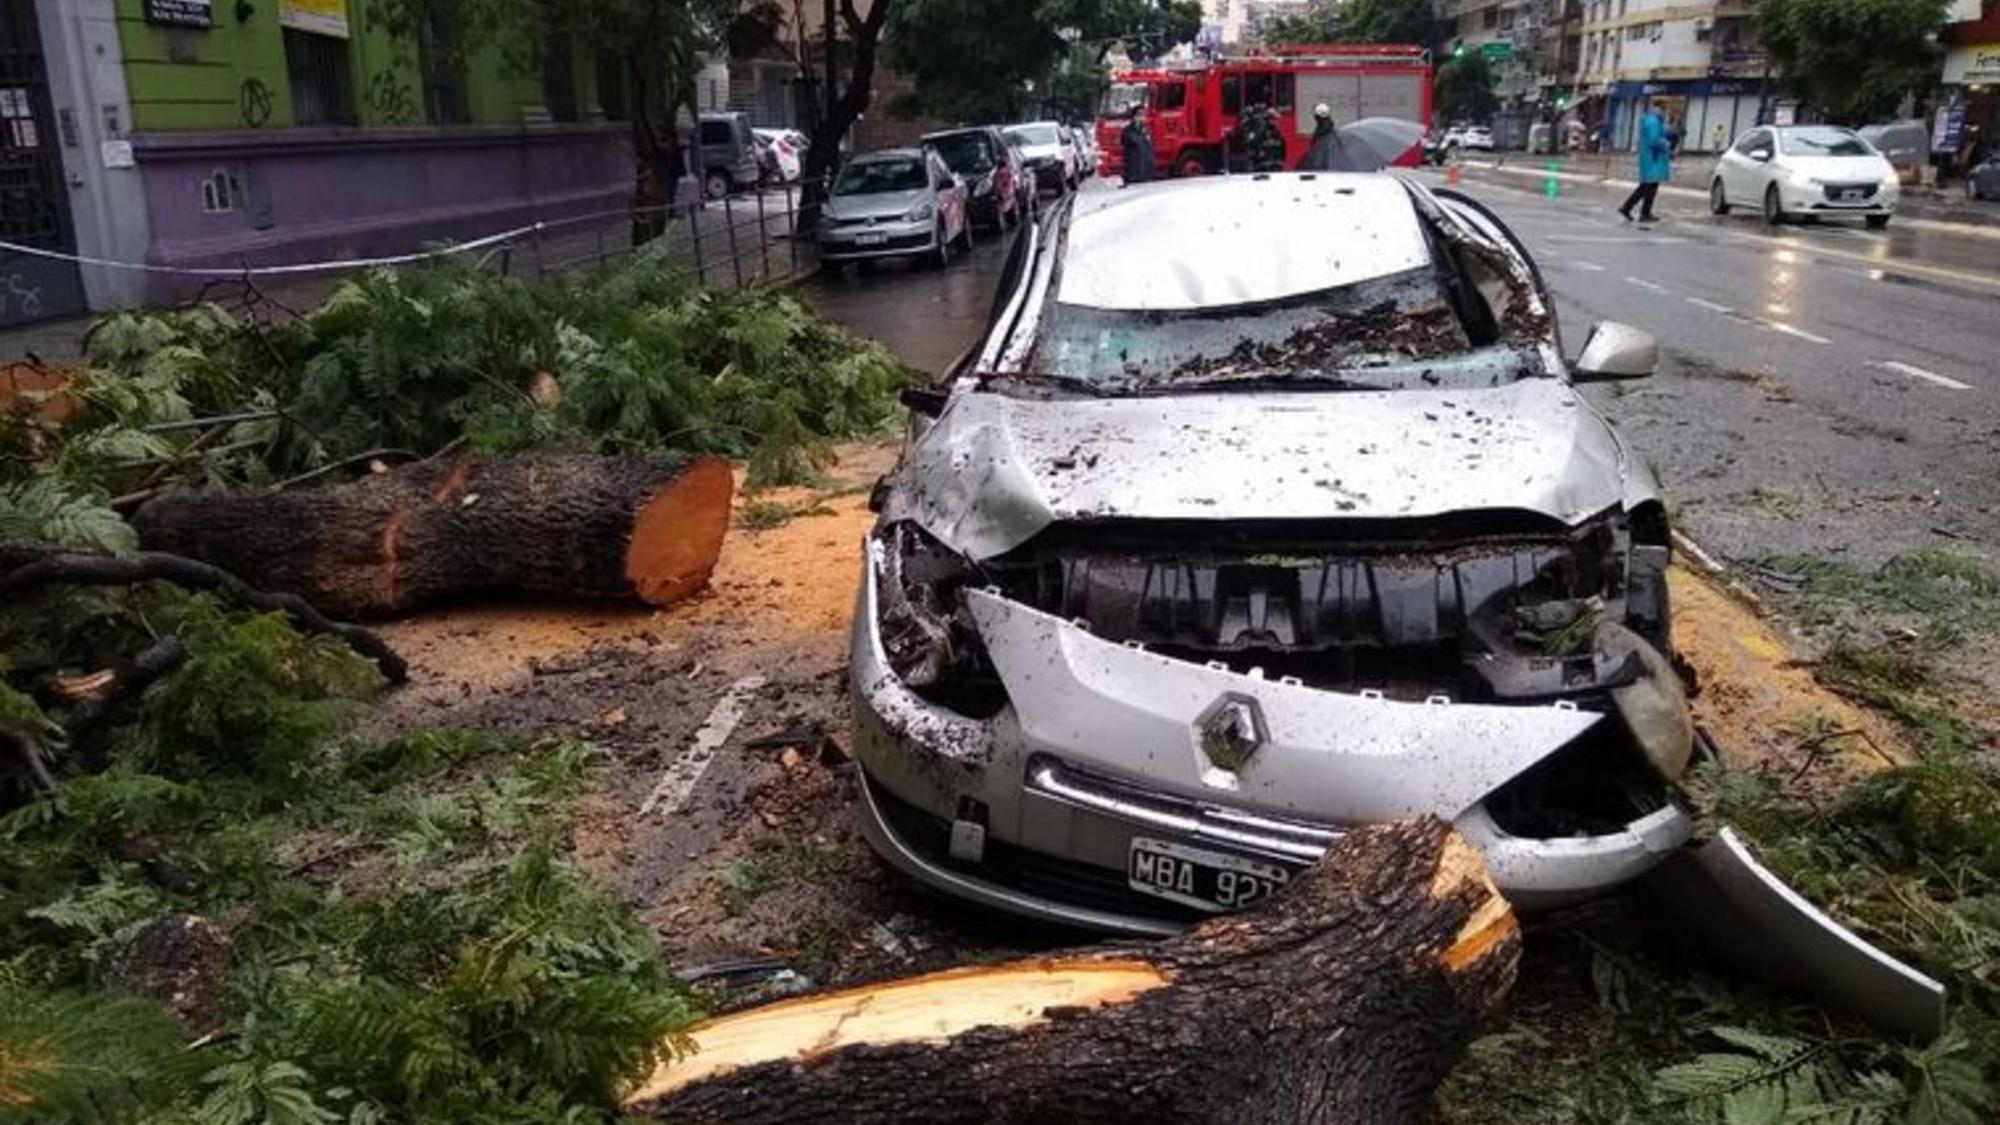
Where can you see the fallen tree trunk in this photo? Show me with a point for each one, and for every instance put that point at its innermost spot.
(556, 525)
(1345, 999)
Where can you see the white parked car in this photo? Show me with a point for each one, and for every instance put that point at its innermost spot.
(1471, 137)
(787, 149)
(1805, 170)
(1048, 150)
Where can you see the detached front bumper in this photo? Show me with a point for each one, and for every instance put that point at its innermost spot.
(1034, 810)
(847, 242)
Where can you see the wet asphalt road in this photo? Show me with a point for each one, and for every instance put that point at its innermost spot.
(1823, 389)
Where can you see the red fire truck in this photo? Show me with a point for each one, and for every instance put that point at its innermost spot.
(1191, 109)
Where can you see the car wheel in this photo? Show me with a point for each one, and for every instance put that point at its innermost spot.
(1193, 164)
(1774, 208)
(1877, 222)
(832, 267)
(1718, 202)
(940, 255)
(715, 185)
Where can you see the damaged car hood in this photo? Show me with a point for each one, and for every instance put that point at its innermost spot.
(994, 469)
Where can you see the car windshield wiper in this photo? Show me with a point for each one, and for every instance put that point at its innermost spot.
(1267, 382)
(1043, 380)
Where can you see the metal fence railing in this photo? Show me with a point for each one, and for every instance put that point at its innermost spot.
(747, 238)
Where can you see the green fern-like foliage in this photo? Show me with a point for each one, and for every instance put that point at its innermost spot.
(87, 1057)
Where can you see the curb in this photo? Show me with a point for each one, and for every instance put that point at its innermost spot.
(1944, 226)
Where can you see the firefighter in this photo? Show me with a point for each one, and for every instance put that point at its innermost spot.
(1257, 141)
(1136, 145)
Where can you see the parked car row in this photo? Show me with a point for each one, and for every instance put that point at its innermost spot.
(924, 202)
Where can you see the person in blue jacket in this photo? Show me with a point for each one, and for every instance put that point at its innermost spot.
(1655, 154)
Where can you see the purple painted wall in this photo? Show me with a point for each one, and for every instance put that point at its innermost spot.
(300, 195)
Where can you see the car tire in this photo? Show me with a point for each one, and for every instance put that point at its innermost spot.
(1718, 200)
(832, 267)
(1774, 207)
(1876, 222)
(716, 184)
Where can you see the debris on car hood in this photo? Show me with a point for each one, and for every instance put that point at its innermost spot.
(996, 469)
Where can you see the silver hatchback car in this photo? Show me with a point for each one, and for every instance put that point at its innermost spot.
(1267, 507)
(900, 202)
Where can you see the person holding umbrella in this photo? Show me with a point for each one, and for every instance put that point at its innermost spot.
(1327, 153)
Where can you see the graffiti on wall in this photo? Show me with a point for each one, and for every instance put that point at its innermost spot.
(253, 102)
(391, 100)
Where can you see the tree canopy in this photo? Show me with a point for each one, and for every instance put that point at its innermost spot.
(1463, 89)
(1355, 21)
(1853, 59)
(973, 60)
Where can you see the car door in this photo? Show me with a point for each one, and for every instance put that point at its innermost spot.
(1744, 175)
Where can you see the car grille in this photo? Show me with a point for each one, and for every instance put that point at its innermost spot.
(1837, 191)
(1029, 872)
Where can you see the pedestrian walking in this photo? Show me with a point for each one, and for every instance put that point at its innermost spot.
(1655, 155)
(1135, 144)
(1326, 153)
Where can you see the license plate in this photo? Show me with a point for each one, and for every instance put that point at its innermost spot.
(1199, 877)
(871, 239)
(1853, 195)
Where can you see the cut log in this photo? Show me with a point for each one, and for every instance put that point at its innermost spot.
(552, 525)
(1346, 998)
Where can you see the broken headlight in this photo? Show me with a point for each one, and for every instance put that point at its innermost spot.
(930, 641)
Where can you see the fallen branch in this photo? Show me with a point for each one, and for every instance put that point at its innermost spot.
(1346, 998)
(127, 679)
(72, 569)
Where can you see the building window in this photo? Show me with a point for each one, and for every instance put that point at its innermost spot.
(322, 86)
(219, 192)
(559, 79)
(611, 90)
(441, 57)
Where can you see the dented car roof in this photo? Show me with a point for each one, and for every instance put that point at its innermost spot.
(1217, 241)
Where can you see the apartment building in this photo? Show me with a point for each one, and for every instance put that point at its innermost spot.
(1701, 60)
(1238, 22)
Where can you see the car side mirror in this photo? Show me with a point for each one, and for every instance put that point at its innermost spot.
(1616, 351)
(1761, 155)
(923, 400)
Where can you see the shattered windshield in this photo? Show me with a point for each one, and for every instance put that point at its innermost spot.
(1393, 332)
(875, 176)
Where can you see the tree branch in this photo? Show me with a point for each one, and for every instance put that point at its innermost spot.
(64, 568)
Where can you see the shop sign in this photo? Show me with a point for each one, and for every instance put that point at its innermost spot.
(1971, 64)
(1949, 127)
(180, 13)
(321, 17)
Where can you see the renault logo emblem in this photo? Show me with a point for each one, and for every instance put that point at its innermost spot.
(1231, 730)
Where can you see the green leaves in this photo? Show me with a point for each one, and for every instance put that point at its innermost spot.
(1855, 59)
(49, 511)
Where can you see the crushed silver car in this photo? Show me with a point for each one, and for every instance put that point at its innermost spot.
(1267, 507)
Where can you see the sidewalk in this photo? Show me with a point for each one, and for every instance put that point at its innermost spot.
(1694, 171)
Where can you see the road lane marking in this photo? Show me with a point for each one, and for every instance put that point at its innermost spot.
(684, 772)
(1915, 372)
(1593, 267)
(1711, 306)
(1781, 326)
(1644, 284)
(1648, 239)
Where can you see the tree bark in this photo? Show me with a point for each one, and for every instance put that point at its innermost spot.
(551, 525)
(844, 107)
(1346, 999)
